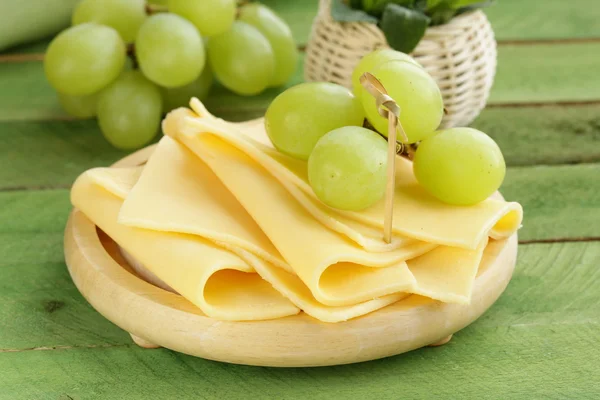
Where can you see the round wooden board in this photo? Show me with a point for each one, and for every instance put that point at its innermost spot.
(156, 317)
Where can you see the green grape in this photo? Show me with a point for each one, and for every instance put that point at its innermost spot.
(79, 106)
(170, 50)
(158, 2)
(460, 166)
(373, 60)
(126, 16)
(129, 111)
(211, 17)
(279, 36)
(180, 96)
(84, 58)
(417, 94)
(242, 59)
(347, 168)
(301, 115)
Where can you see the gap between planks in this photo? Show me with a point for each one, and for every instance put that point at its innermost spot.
(261, 110)
(521, 242)
(15, 58)
(84, 346)
(34, 188)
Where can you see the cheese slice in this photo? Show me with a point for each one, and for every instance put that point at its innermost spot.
(232, 225)
(417, 215)
(178, 193)
(234, 296)
(219, 282)
(337, 271)
(168, 197)
(447, 273)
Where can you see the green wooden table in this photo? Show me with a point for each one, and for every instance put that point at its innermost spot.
(541, 340)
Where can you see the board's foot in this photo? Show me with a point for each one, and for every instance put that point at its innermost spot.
(441, 342)
(143, 342)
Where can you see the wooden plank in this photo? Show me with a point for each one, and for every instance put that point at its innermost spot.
(560, 202)
(511, 20)
(39, 305)
(538, 341)
(38, 47)
(53, 153)
(39, 154)
(297, 14)
(537, 73)
(550, 19)
(544, 135)
(25, 93)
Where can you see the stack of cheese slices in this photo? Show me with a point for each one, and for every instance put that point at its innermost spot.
(231, 224)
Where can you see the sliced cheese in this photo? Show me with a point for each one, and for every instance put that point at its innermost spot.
(178, 193)
(169, 197)
(232, 225)
(256, 175)
(447, 273)
(236, 296)
(220, 283)
(417, 215)
(309, 249)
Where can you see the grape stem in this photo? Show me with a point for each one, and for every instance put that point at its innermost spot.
(155, 8)
(389, 109)
(131, 55)
(240, 4)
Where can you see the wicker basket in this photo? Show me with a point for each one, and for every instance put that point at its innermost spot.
(460, 55)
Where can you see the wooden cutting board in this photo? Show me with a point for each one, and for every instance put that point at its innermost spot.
(158, 318)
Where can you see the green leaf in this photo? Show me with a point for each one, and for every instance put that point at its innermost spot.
(341, 12)
(356, 4)
(403, 27)
(433, 3)
(441, 13)
(376, 7)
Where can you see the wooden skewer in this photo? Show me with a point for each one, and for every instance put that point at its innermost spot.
(390, 188)
(387, 108)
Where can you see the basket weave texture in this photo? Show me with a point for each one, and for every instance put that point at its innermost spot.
(459, 55)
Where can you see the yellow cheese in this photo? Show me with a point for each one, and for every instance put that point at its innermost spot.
(232, 225)
(221, 284)
(336, 271)
(226, 295)
(177, 192)
(447, 273)
(417, 215)
(311, 250)
(169, 197)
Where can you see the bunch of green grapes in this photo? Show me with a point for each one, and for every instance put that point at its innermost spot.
(325, 124)
(126, 62)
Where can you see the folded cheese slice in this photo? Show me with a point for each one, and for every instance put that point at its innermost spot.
(168, 197)
(336, 270)
(417, 215)
(98, 193)
(219, 282)
(178, 193)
